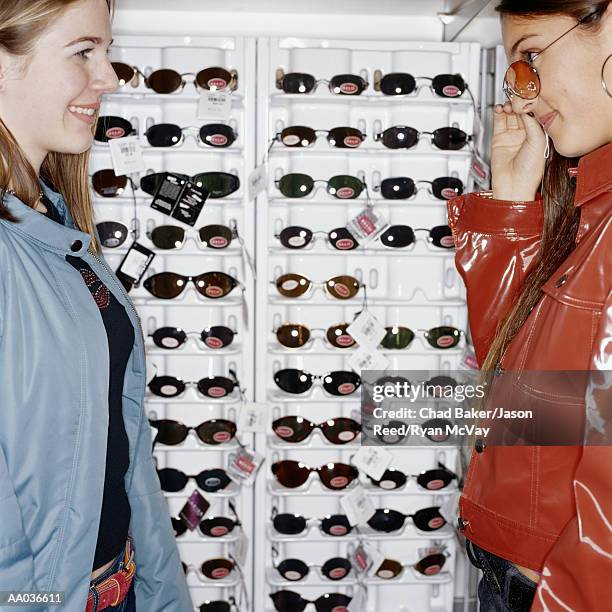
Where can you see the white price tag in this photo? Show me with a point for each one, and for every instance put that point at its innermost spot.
(258, 180)
(450, 508)
(126, 155)
(253, 417)
(479, 170)
(214, 105)
(241, 548)
(367, 225)
(366, 358)
(357, 506)
(372, 460)
(244, 465)
(367, 329)
(358, 602)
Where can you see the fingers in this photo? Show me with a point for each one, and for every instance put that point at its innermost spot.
(535, 132)
(505, 119)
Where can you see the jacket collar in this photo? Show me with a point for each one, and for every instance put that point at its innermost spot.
(594, 174)
(52, 235)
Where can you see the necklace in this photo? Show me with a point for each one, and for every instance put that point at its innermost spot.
(12, 192)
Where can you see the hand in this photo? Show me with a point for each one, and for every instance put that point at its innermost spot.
(517, 154)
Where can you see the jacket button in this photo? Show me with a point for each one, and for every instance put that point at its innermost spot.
(479, 445)
(462, 524)
(561, 280)
(77, 245)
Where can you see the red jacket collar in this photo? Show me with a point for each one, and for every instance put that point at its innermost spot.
(594, 174)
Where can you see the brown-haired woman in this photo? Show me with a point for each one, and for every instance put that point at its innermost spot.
(81, 510)
(536, 258)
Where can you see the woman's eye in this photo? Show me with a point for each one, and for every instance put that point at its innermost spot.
(529, 55)
(84, 53)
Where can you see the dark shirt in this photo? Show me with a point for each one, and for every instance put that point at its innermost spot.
(116, 512)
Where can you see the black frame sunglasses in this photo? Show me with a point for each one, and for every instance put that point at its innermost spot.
(296, 335)
(210, 480)
(296, 429)
(304, 83)
(337, 382)
(214, 387)
(212, 432)
(170, 285)
(340, 186)
(173, 237)
(403, 84)
(301, 136)
(406, 137)
(214, 337)
(289, 524)
(403, 187)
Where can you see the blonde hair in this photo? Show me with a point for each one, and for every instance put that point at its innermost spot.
(22, 22)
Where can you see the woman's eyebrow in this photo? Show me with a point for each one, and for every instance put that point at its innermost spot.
(94, 39)
(519, 41)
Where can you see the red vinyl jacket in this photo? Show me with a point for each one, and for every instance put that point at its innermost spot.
(548, 508)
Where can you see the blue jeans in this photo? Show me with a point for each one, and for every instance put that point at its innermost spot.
(129, 603)
(502, 587)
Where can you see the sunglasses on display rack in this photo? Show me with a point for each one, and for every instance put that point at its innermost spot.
(112, 234)
(172, 480)
(335, 525)
(388, 521)
(430, 565)
(166, 81)
(214, 431)
(430, 480)
(304, 83)
(403, 83)
(341, 186)
(169, 285)
(173, 237)
(297, 237)
(212, 527)
(215, 569)
(341, 287)
(294, 570)
(300, 136)
(443, 337)
(294, 335)
(214, 337)
(212, 386)
(218, 605)
(404, 137)
(335, 476)
(403, 187)
(294, 429)
(169, 135)
(290, 601)
(339, 382)
(434, 430)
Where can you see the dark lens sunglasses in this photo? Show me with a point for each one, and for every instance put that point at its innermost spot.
(214, 431)
(341, 186)
(290, 601)
(339, 382)
(303, 83)
(211, 481)
(109, 127)
(403, 187)
(400, 236)
(335, 525)
(112, 234)
(431, 480)
(430, 565)
(294, 429)
(402, 83)
(174, 237)
(218, 605)
(404, 137)
(212, 527)
(107, 184)
(214, 337)
(294, 335)
(297, 237)
(215, 569)
(294, 570)
(341, 287)
(443, 337)
(218, 184)
(211, 386)
(167, 81)
(169, 135)
(300, 136)
(169, 285)
(388, 521)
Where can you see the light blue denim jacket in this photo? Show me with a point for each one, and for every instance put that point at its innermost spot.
(54, 374)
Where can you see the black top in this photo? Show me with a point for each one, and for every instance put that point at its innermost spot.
(116, 512)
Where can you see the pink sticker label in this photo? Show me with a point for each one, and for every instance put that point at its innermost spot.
(349, 88)
(339, 609)
(352, 141)
(217, 392)
(339, 482)
(213, 291)
(436, 523)
(297, 241)
(338, 530)
(478, 169)
(218, 531)
(168, 390)
(345, 340)
(451, 91)
(448, 193)
(115, 132)
(385, 574)
(245, 464)
(221, 436)
(217, 83)
(346, 436)
(366, 224)
(290, 285)
(218, 140)
(345, 244)
(444, 341)
(431, 570)
(293, 575)
(218, 242)
(170, 342)
(337, 573)
(387, 484)
(434, 485)
(342, 290)
(447, 241)
(346, 388)
(345, 193)
(213, 342)
(220, 572)
(291, 140)
(284, 431)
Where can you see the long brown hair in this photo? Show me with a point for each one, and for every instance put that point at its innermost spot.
(21, 24)
(561, 218)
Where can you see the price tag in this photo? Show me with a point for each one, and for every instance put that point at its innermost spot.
(126, 155)
(479, 171)
(372, 460)
(358, 602)
(214, 105)
(357, 506)
(253, 417)
(367, 225)
(134, 264)
(367, 329)
(450, 508)
(190, 203)
(367, 358)
(258, 180)
(192, 512)
(241, 548)
(244, 465)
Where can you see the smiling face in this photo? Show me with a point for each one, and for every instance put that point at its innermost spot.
(50, 98)
(572, 105)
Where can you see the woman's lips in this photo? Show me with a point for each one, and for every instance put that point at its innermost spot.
(546, 120)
